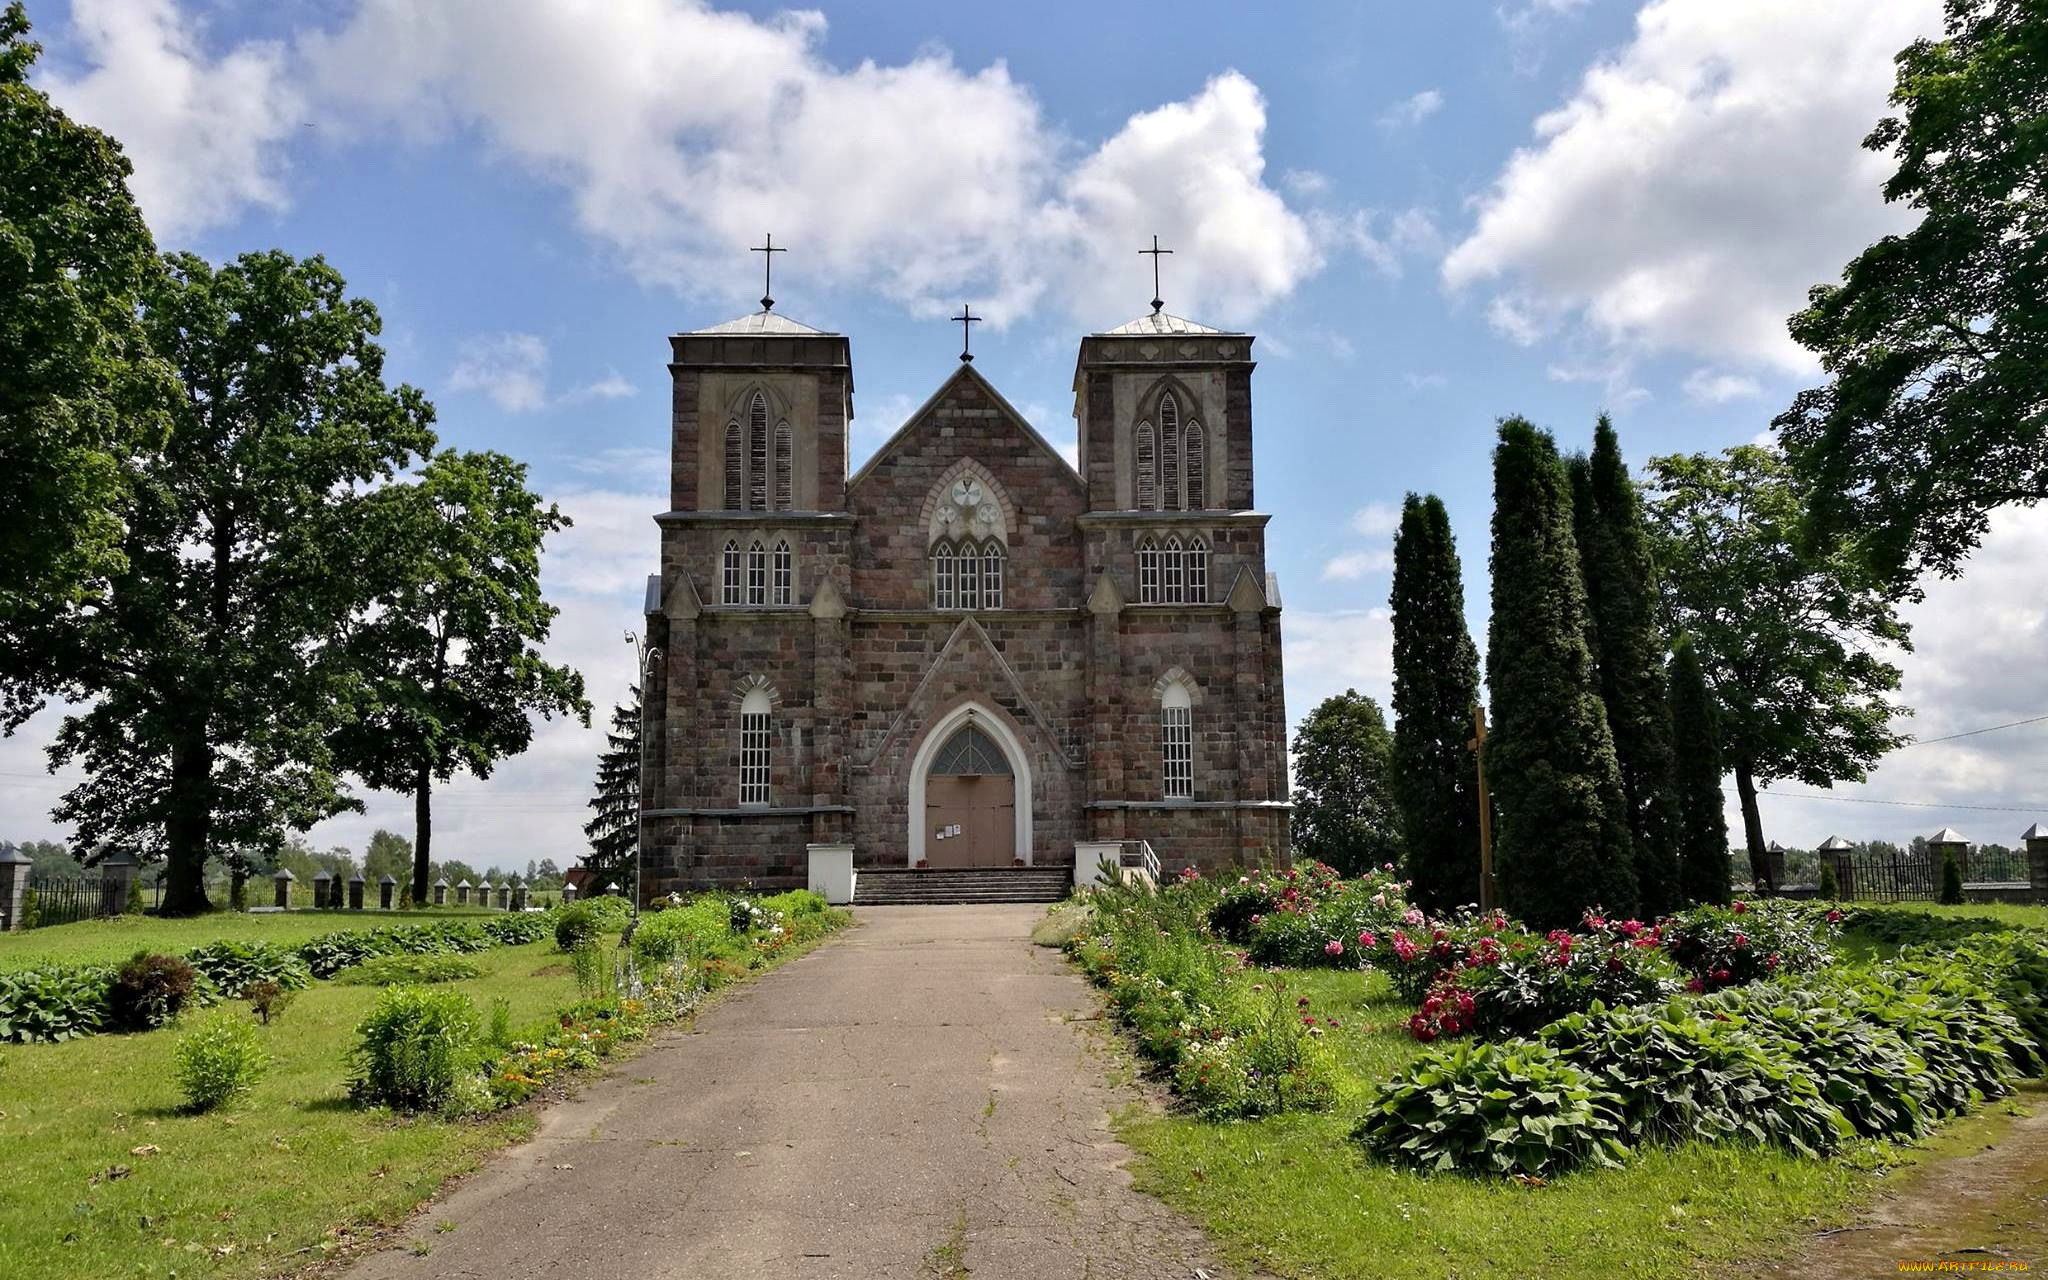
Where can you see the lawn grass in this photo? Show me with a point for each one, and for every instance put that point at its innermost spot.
(114, 940)
(1294, 1195)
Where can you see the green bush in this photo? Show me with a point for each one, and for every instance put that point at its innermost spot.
(233, 966)
(519, 927)
(219, 1061)
(1908, 927)
(53, 1003)
(150, 990)
(1748, 942)
(689, 932)
(389, 971)
(413, 1048)
(577, 924)
(1828, 890)
(1951, 880)
(797, 902)
(1275, 1064)
(1516, 1108)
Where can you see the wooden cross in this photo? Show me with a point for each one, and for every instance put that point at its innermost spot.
(767, 252)
(1155, 251)
(965, 318)
(1478, 748)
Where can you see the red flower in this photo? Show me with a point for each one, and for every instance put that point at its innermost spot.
(1834, 917)
(1366, 939)
(1741, 941)
(1740, 907)
(1695, 986)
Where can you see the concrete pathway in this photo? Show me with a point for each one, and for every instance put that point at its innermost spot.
(914, 1099)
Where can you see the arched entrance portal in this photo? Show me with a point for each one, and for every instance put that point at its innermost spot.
(970, 794)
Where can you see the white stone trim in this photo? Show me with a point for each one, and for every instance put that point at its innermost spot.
(1013, 749)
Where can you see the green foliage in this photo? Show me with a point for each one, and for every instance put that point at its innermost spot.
(53, 1003)
(413, 1047)
(577, 924)
(1561, 844)
(518, 927)
(1866, 1069)
(150, 990)
(233, 966)
(615, 830)
(1745, 942)
(219, 1061)
(796, 902)
(690, 932)
(1829, 889)
(1699, 811)
(448, 665)
(1276, 1062)
(1790, 633)
(1343, 802)
(596, 978)
(1951, 880)
(1936, 336)
(1485, 1108)
(268, 1000)
(1628, 658)
(387, 971)
(1435, 786)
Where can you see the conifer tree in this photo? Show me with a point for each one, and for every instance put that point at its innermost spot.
(615, 831)
(1436, 685)
(1699, 814)
(1562, 843)
(1628, 657)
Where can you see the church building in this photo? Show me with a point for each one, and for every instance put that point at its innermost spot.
(967, 654)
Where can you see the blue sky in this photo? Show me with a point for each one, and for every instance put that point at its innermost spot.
(1431, 215)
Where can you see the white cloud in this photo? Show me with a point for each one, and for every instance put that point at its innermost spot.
(1412, 110)
(681, 132)
(1515, 318)
(1376, 520)
(1711, 386)
(1306, 183)
(510, 368)
(1426, 381)
(1353, 565)
(622, 462)
(610, 387)
(205, 133)
(1699, 180)
(1327, 653)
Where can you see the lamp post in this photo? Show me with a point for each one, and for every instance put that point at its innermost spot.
(644, 658)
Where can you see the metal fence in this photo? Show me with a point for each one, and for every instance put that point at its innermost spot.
(1995, 866)
(1882, 876)
(63, 899)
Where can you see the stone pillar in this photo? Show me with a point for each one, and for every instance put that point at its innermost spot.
(117, 877)
(14, 867)
(1836, 852)
(568, 891)
(284, 879)
(1948, 841)
(462, 889)
(1105, 709)
(355, 892)
(518, 895)
(1774, 867)
(505, 896)
(441, 892)
(831, 667)
(323, 890)
(2037, 861)
(387, 889)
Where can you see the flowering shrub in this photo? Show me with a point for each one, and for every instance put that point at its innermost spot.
(1276, 1062)
(1747, 942)
(1517, 1108)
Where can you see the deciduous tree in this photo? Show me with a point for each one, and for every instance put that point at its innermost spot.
(1343, 803)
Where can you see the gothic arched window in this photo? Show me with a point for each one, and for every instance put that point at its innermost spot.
(1176, 743)
(730, 573)
(968, 569)
(1198, 571)
(757, 574)
(1173, 584)
(783, 585)
(757, 454)
(1146, 460)
(755, 742)
(992, 575)
(1169, 452)
(942, 575)
(785, 469)
(1148, 571)
(735, 469)
(1194, 461)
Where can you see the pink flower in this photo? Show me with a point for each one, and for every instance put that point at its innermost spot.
(1412, 916)
(1366, 939)
(1334, 947)
(1256, 917)
(1390, 866)
(1741, 941)
(1739, 908)
(1695, 986)
(1379, 899)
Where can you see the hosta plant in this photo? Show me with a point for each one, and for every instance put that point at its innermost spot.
(233, 966)
(1471, 1107)
(52, 1003)
(1865, 1070)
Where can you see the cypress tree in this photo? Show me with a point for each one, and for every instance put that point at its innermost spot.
(1561, 842)
(1699, 813)
(1436, 685)
(1628, 657)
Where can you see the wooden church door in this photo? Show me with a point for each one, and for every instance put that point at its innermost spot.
(970, 804)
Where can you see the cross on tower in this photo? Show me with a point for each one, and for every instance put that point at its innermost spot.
(767, 252)
(965, 318)
(1155, 251)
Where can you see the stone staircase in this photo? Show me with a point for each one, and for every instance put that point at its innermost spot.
(992, 884)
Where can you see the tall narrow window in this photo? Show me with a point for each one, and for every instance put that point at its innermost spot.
(1148, 571)
(784, 584)
(1177, 744)
(757, 574)
(992, 575)
(1195, 464)
(785, 469)
(735, 469)
(1198, 571)
(1174, 584)
(757, 453)
(969, 563)
(942, 575)
(755, 742)
(731, 573)
(1145, 457)
(1169, 452)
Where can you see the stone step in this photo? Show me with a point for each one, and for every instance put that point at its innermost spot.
(905, 887)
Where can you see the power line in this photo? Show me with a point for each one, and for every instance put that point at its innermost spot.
(1906, 804)
(1971, 733)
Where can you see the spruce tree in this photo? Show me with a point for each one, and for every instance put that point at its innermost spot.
(1699, 813)
(615, 831)
(1436, 685)
(1628, 657)
(1562, 843)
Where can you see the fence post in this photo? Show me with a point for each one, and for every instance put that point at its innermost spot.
(1839, 854)
(385, 888)
(568, 892)
(14, 868)
(117, 876)
(355, 892)
(1774, 866)
(462, 892)
(1944, 842)
(505, 896)
(2037, 861)
(284, 878)
(323, 890)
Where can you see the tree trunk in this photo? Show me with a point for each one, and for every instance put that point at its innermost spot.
(1753, 828)
(422, 836)
(188, 827)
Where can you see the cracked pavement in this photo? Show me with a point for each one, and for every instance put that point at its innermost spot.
(919, 1097)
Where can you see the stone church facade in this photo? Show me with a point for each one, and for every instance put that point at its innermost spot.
(967, 653)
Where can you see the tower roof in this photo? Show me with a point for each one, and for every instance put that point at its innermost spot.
(765, 324)
(1159, 322)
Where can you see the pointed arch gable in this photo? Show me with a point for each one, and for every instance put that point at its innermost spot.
(991, 720)
(922, 416)
(935, 499)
